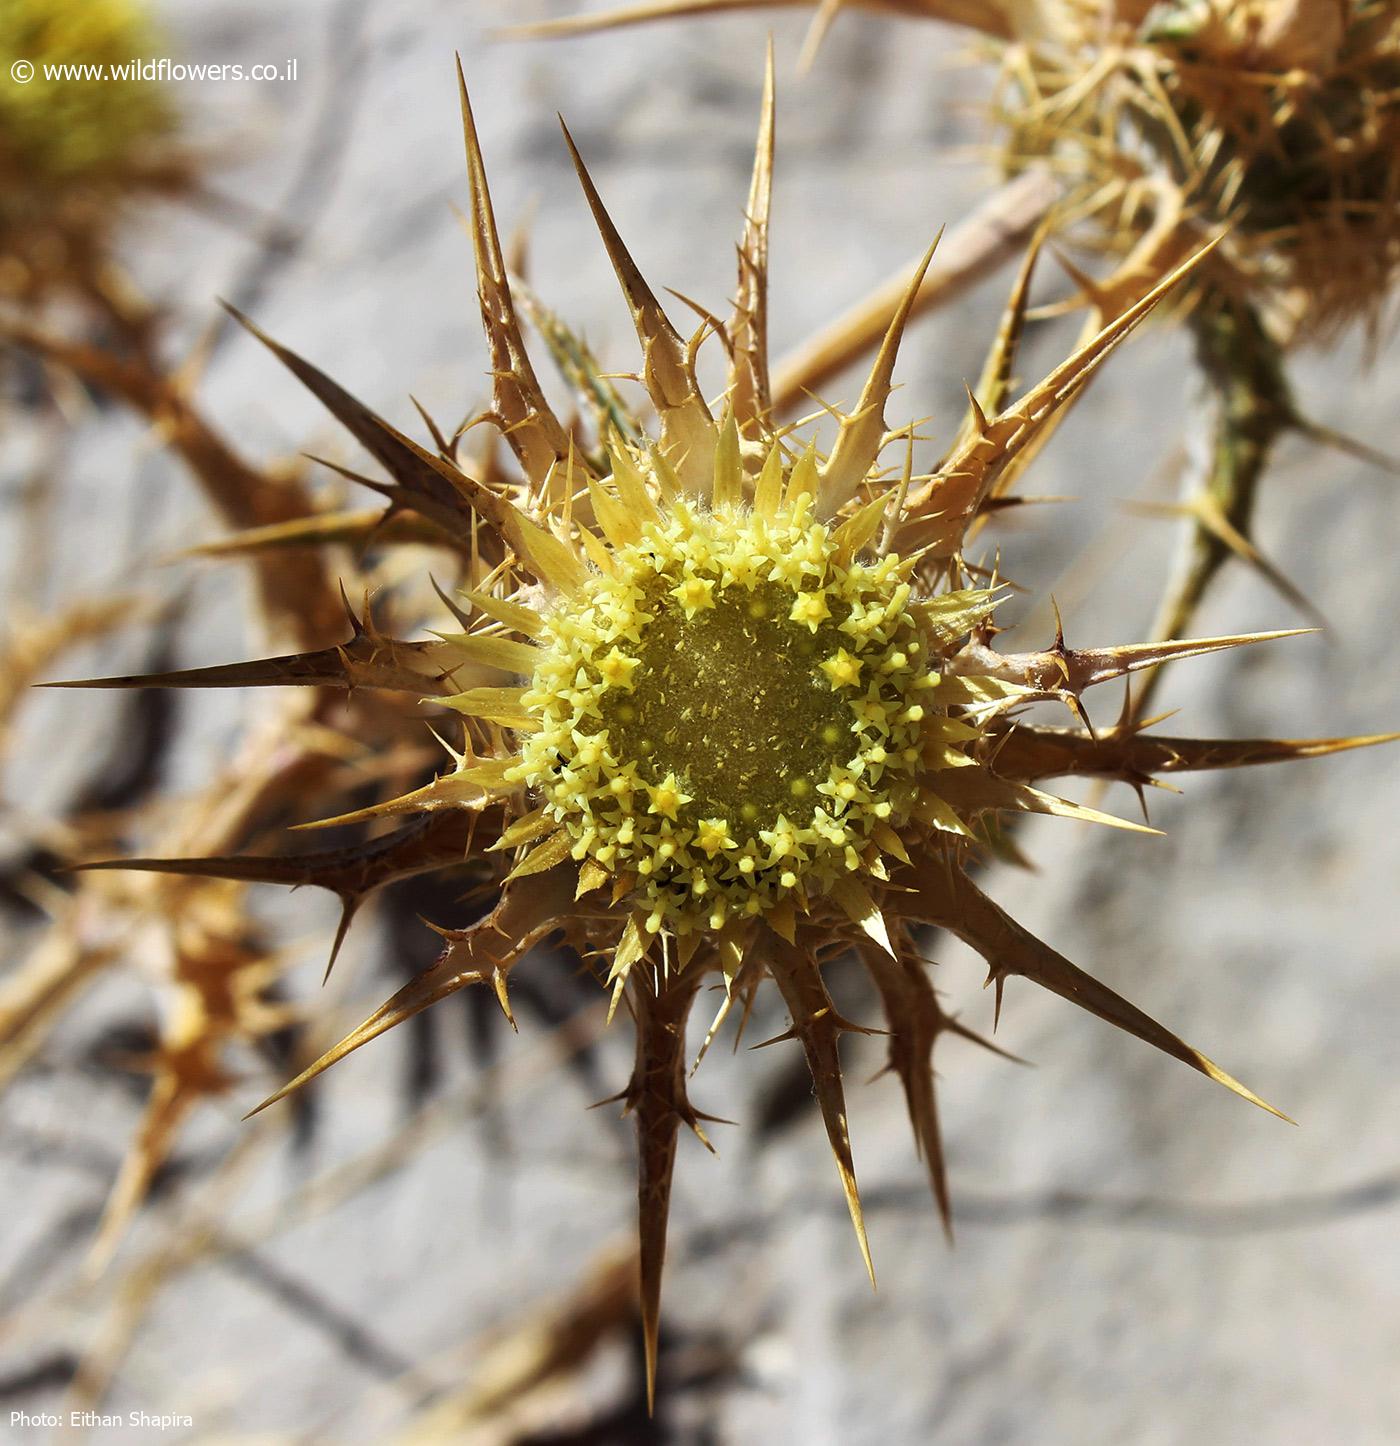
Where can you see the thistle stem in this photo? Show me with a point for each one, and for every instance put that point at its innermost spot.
(1251, 406)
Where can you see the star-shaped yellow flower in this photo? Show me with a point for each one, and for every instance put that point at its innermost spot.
(667, 797)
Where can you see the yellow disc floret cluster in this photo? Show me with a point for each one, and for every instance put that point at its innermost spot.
(733, 713)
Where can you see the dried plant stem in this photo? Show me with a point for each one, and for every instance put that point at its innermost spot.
(1251, 406)
(987, 16)
(297, 595)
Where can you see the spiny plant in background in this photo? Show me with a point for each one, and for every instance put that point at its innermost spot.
(76, 156)
(1143, 129)
(214, 975)
(213, 972)
(74, 151)
(1276, 121)
(1279, 119)
(730, 706)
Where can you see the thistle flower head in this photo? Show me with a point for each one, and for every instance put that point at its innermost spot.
(729, 703)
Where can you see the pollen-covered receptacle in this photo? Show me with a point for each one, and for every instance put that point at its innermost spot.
(730, 710)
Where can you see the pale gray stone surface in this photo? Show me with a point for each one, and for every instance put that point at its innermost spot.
(1141, 1257)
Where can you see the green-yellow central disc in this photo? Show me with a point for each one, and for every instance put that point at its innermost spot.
(728, 711)
(732, 700)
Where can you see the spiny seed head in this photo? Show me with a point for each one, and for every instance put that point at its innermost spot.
(1279, 119)
(728, 708)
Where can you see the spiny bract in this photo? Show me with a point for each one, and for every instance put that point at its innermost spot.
(730, 705)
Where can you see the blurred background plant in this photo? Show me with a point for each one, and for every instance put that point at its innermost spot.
(73, 154)
(190, 978)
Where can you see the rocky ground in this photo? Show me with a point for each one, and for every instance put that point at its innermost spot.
(1140, 1256)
